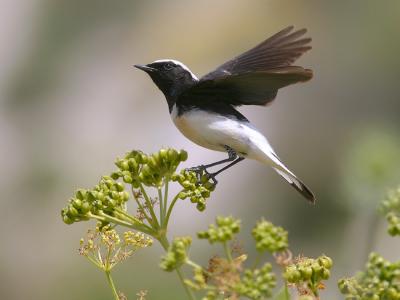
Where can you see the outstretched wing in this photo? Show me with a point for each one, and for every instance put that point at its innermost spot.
(254, 77)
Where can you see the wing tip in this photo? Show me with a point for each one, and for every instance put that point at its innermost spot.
(308, 74)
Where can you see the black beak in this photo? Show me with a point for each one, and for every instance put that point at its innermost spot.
(145, 68)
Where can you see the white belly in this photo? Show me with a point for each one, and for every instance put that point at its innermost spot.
(214, 131)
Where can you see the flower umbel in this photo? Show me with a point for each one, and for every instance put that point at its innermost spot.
(390, 207)
(197, 191)
(104, 248)
(380, 280)
(258, 283)
(226, 228)
(105, 197)
(269, 237)
(307, 274)
(176, 254)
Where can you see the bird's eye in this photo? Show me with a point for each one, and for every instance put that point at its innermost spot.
(168, 66)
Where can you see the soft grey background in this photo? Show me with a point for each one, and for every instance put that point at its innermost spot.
(70, 102)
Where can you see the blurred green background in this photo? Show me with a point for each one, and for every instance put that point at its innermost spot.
(70, 102)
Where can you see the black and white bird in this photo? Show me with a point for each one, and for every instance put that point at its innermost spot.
(204, 109)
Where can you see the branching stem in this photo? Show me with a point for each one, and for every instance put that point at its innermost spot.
(112, 285)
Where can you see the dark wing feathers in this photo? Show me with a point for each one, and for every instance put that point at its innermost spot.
(254, 77)
(252, 88)
(280, 50)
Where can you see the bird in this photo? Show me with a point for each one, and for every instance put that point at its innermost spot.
(204, 109)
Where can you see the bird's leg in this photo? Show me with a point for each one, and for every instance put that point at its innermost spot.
(203, 168)
(231, 156)
(212, 175)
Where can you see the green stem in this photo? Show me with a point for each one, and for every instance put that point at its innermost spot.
(95, 262)
(104, 217)
(196, 266)
(133, 219)
(287, 295)
(170, 210)
(165, 197)
(165, 244)
(130, 217)
(161, 204)
(155, 223)
(111, 283)
(228, 252)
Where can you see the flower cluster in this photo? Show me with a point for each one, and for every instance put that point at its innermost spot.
(380, 280)
(104, 248)
(104, 197)
(198, 191)
(269, 237)
(176, 254)
(390, 207)
(137, 240)
(257, 283)
(225, 230)
(308, 273)
(136, 167)
(199, 279)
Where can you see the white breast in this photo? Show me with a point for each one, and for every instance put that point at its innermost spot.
(213, 131)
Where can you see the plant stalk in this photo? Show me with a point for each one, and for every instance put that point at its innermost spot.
(112, 285)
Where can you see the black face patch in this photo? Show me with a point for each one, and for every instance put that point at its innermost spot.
(171, 78)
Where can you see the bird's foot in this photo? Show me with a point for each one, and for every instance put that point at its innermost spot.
(203, 175)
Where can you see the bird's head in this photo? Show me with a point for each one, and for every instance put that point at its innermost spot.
(172, 77)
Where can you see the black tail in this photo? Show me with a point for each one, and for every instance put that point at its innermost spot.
(296, 183)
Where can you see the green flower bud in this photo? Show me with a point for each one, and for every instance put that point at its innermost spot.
(80, 194)
(156, 157)
(76, 203)
(152, 162)
(73, 211)
(124, 165)
(200, 206)
(182, 195)
(120, 186)
(183, 155)
(100, 196)
(186, 184)
(85, 208)
(306, 272)
(325, 274)
(146, 171)
(292, 275)
(325, 261)
(142, 158)
(127, 179)
(115, 175)
(133, 165)
(67, 220)
(173, 155)
(163, 154)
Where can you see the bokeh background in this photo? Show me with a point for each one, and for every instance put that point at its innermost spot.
(70, 102)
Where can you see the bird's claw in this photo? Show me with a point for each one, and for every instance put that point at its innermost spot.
(202, 171)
